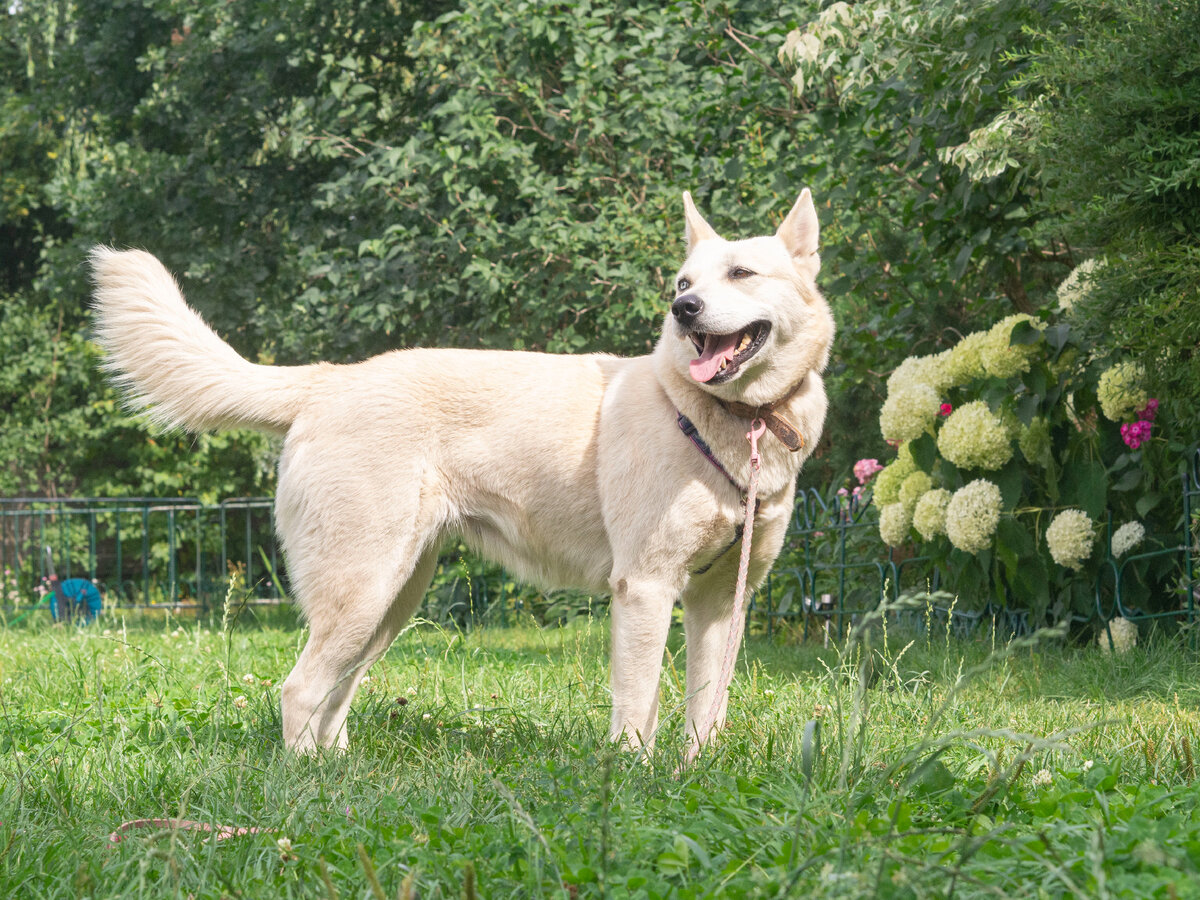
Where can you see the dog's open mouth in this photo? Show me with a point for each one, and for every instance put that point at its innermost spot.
(721, 355)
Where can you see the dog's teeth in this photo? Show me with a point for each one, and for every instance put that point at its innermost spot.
(745, 342)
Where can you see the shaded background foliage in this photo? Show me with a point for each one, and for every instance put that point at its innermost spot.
(334, 179)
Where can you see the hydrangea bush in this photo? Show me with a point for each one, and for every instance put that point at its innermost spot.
(1019, 451)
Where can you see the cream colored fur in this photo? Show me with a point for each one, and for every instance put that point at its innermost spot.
(568, 470)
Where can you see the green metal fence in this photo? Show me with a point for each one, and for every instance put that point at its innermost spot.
(141, 551)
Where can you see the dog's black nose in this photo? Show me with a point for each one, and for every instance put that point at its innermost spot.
(687, 308)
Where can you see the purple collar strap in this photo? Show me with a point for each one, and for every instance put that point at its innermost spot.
(689, 429)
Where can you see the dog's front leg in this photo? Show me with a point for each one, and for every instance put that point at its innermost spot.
(706, 621)
(641, 618)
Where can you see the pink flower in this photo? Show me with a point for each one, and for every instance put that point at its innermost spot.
(1136, 433)
(842, 492)
(865, 469)
(1149, 412)
(946, 409)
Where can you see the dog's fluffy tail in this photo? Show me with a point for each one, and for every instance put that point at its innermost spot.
(164, 358)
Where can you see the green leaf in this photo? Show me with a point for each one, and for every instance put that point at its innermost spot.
(810, 747)
(1147, 502)
(1027, 408)
(1085, 484)
(1024, 332)
(1127, 482)
(924, 452)
(1057, 336)
(932, 777)
(1011, 480)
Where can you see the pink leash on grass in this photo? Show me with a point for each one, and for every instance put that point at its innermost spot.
(220, 832)
(757, 428)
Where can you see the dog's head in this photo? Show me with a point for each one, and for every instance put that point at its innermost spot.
(747, 322)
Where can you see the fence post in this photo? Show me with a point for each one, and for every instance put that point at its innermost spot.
(200, 598)
(1191, 487)
(92, 545)
(249, 551)
(117, 535)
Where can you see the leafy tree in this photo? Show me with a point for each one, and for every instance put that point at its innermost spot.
(1114, 139)
(332, 180)
(926, 245)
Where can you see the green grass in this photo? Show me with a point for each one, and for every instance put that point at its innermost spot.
(479, 767)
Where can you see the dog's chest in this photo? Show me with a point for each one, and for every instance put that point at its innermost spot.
(721, 537)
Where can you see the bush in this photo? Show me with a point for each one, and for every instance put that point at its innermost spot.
(1044, 446)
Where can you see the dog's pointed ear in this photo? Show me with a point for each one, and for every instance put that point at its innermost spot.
(799, 233)
(695, 229)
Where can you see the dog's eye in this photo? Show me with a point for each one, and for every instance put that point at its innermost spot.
(682, 285)
(740, 272)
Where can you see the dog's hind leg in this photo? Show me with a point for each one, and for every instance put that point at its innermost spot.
(641, 618)
(350, 634)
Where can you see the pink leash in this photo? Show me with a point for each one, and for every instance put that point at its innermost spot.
(757, 428)
(220, 832)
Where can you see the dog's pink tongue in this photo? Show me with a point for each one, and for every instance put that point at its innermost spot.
(718, 348)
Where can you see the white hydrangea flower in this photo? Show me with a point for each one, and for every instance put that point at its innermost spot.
(999, 357)
(1076, 286)
(931, 371)
(1070, 538)
(1124, 636)
(1120, 391)
(888, 481)
(972, 515)
(1127, 537)
(894, 521)
(941, 377)
(913, 488)
(929, 517)
(963, 364)
(908, 412)
(973, 437)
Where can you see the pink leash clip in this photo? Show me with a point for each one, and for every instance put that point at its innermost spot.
(757, 428)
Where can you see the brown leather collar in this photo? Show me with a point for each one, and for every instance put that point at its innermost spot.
(776, 424)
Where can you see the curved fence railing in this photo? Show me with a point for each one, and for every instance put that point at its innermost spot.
(836, 567)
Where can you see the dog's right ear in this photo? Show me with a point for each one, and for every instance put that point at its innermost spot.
(695, 229)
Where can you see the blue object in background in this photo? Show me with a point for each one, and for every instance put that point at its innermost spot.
(80, 599)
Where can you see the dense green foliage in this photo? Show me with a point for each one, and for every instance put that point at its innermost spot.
(1034, 771)
(1114, 138)
(334, 180)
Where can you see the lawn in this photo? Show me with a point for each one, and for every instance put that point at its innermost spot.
(478, 767)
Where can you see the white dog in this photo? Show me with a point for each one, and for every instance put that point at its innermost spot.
(594, 472)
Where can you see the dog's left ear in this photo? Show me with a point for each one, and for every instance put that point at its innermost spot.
(799, 233)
